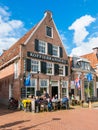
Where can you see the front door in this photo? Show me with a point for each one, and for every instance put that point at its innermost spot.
(54, 90)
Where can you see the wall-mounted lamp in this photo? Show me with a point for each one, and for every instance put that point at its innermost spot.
(50, 82)
(61, 82)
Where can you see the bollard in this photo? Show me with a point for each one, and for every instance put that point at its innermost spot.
(90, 105)
(33, 106)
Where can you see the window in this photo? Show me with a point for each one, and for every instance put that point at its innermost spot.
(34, 66)
(85, 66)
(33, 82)
(64, 88)
(64, 92)
(42, 47)
(49, 68)
(43, 85)
(16, 69)
(61, 70)
(55, 51)
(31, 90)
(49, 31)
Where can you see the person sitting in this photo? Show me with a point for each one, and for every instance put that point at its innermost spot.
(37, 104)
(46, 94)
(65, 102)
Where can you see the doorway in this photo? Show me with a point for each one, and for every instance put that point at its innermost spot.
(54, 90)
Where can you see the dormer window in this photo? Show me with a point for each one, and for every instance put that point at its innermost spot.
(49, 31)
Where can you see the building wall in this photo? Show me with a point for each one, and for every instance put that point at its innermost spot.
(7, 78)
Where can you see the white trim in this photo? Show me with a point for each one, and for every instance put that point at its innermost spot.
(9, 61)
(34, 30)
(45, 46)
(59, 37)
(46, 31)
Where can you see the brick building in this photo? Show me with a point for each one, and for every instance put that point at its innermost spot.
(80, 70)
(39, 56)
(93, 58)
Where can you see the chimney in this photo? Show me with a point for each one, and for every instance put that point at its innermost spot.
(48, 13)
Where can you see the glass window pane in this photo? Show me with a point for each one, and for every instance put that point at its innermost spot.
(34, 66)
(49, 31)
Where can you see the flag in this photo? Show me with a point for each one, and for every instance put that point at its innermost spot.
(27, 80)
(89, 77)
(77, 83)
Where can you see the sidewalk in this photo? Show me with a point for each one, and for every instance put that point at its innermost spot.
(73, 119)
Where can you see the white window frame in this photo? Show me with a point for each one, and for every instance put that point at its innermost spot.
(62, 70)
(42, 43)
(32, 64)
(32, 86)
(46, 86)
(52, 66)
(44, 80)
(51, 32)
(16, 70)
(56, 50)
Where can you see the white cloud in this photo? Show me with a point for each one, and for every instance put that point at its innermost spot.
(79, 26)
(80, 34)
(64, 39)
(10, 30)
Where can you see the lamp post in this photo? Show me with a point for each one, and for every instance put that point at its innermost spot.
(50, 83)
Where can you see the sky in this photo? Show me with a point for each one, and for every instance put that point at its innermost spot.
(76, 21)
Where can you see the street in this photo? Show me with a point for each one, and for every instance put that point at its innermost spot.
(73, 119)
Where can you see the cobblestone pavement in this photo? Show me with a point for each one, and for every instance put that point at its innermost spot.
(73, 119)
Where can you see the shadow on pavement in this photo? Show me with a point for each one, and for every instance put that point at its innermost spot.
(13, 124)
(53, 119)
(4, 110)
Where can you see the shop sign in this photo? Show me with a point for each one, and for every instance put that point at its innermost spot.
(46, 57)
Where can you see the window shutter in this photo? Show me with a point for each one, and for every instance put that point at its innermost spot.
(61, 51)
(66, 70)
(28, 54)
(49, 48)
(36, 45)
(56, 69)
(43, 67)
(28, 65)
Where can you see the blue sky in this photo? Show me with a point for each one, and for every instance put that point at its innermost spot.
(76, 21)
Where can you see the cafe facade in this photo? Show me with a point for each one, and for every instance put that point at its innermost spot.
(83, 78)
(36, 62)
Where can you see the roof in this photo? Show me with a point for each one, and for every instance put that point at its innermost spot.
(92, 58)
(15, 48)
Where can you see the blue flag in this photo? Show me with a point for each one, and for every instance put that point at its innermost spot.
(27, 80)
(89, 77)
